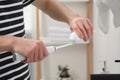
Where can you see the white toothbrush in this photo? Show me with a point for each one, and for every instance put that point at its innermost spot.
(51, 49)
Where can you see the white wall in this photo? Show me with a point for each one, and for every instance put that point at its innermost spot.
(105, 46)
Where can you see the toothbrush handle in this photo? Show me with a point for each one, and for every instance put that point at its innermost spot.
(19, 57)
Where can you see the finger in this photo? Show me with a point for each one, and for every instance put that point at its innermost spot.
(78, 31)
(91, 26)
(36, 52)
(44, 50)
(87, 27)
(71, 26)
(38, 59)
(24, 61)
(41, 51)
(81, 27)
(30, 57)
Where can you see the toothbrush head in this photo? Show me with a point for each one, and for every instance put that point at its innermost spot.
(73, 38)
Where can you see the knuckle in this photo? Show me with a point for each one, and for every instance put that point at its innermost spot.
(39, 42)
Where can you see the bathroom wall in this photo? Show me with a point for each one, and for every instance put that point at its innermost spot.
(106, 47)
(73, 56)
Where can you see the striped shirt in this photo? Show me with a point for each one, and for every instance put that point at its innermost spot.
(12, 23)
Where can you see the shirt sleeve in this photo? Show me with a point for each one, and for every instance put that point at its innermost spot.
(27, 2)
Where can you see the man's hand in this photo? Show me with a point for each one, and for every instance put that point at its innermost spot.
(82, 27)
(34, 50)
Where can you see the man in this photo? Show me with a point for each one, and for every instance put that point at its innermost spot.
(12, 35)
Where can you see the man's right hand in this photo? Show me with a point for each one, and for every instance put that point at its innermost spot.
(34, 50)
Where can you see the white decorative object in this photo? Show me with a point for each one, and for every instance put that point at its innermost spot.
(104, 8)
(114, 6)
(103, 16)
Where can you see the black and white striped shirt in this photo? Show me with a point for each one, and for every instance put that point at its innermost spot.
(12, 23)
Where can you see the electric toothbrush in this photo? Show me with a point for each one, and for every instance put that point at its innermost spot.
(51, 49)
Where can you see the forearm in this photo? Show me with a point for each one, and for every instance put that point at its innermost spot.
(59, 12)
(56, 10)
(6, 43)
